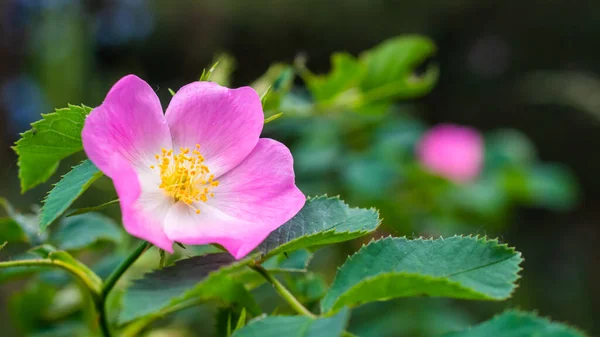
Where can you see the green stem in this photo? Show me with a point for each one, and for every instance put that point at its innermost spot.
(282, 290)
(287, 295)
(93, 285)
(112, 280)
(116, 275)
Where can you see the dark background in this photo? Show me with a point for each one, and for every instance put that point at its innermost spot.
(528, 65)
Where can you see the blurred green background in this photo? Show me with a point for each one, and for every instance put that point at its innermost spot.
(523, 73)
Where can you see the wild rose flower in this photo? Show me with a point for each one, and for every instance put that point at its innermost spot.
(452, 151)
(199, 173)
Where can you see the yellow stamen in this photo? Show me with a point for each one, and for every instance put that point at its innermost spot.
(184, 177)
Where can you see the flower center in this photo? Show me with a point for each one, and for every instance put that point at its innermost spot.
(184, 176)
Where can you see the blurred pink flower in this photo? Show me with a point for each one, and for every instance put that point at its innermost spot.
(197, 174)
(452, 151)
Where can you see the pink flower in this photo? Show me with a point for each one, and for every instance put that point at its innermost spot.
(452, 151)
(199, 173)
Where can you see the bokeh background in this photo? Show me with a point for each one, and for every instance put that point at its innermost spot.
(526, 74)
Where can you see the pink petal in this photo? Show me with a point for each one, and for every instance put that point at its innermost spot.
(225, 122)
(452, 151)
(128, 124)
(143, 206)
(121, 137)
(251, 201)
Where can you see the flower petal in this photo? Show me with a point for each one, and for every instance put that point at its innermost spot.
(128, 124)
(143, 206)
(251, 201)
(121, 137)
(225, 122)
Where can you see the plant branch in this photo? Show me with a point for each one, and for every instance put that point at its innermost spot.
(93, 285)
(117, 273)
(283, 291)
(112, 280)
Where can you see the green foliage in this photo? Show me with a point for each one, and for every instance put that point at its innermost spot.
(346, 73)
(193, 279)
(293, 262)
(321, 221)
(458, 267)
(56, 136)
(552, 186)
(27, 307)
(66, 261)
(350, 138)
(390, 69)
(273, 86)
(67, 190)
(299, 326)
(10, 231)
(93, 208)
(83, 230)
(518, 324)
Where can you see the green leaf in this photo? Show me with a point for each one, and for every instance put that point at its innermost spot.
(307, 287)
(296, 261)
(55, 137)
(518, 324)
(276, 83)
(67, 190)
(321, 221)
(83, 230)
(93, 208)
(346, 72)
(390, 69)
(3, 245)
(222, 73)
(196, 278)
(10, 231)
(295, 326)
(457, 267)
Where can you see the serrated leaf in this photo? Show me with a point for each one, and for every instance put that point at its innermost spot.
(93, 208)
(390, 69)
(518, 324)
(196, 278)
(456, 267)
(10, 231)
(67, 190)
(83, 230)
(295, 326)
(321, 221)
(51, 139)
